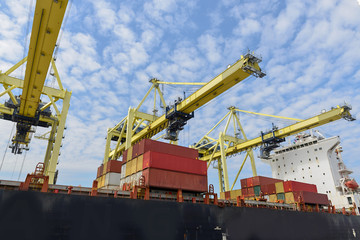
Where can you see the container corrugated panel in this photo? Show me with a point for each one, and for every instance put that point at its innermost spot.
(175, 180)
(250, 192)
(128, 168)
(271, 189)
(243, 183)
(289, 197)
(135, 150)
(249, 182)
(99, 171)
(272, 198)
(104, 168)
(280, 196)
(222, 195)
(156, 146)
(311, 197)
(260, 180)
(112, 178)
(294, 186)
(174, 163)
(279, 186)
(133, 166)
(113, 166)
(265, 189)
(123, 170)
(257, 190)
(244, 192)
(124, 156)
(235, 193)
(139, 163)
(101, 183)
(129, 154)
(227, 195)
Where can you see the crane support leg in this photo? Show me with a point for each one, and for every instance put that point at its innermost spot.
(252, 159)
(59, 136)
(223, 161)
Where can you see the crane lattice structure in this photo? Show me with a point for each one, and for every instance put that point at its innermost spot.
(217, 150)
(139, 125)
(27, 109)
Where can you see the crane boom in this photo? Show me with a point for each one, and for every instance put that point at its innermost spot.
(243, 68)
(323, 118)
(28, 110)
(46, 26)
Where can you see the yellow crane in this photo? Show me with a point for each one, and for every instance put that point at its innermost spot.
(211, 149)
(138, 125)
(28, 110)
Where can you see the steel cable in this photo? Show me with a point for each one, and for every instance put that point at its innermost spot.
(22, 165)
(7, 146)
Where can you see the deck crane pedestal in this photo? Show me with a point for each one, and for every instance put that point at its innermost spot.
(27, 109)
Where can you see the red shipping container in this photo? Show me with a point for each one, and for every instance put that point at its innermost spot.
(227, 195)
(264, 189)
(99, 171)
(293, 186)
(124, 155)
(244, 192)
(175, 180)
(311, 197)
(152, 145)
(260, 180)
(135, 151)
(250, 192)
(113, 166)
(270, 189)
(249, 182)
(174, 163)
(243, 183)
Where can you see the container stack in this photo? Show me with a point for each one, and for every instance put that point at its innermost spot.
(258, 186)
(276, 190)
(108, 174)
(164, 166)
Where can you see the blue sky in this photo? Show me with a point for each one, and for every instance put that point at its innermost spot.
(110, 49)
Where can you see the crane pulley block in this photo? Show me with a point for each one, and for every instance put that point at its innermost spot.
(177, 121)
(269, 142)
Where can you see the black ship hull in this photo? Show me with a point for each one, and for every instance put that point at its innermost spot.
(35, 215)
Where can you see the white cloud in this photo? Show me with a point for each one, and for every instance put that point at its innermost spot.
(104, 11)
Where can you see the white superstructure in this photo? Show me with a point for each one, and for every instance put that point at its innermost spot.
(316, 160)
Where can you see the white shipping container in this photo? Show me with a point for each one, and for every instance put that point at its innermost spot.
(123, 171)
(112, 178)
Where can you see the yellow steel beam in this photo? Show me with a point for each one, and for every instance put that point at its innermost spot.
(46, 26)
(16, 66)
(18, 83)
(324, 118)
(268, 115)
(182, 83)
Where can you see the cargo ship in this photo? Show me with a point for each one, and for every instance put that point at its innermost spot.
(165, 195)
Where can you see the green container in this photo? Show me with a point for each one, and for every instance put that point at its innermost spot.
(257, 191)
(281, 196)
